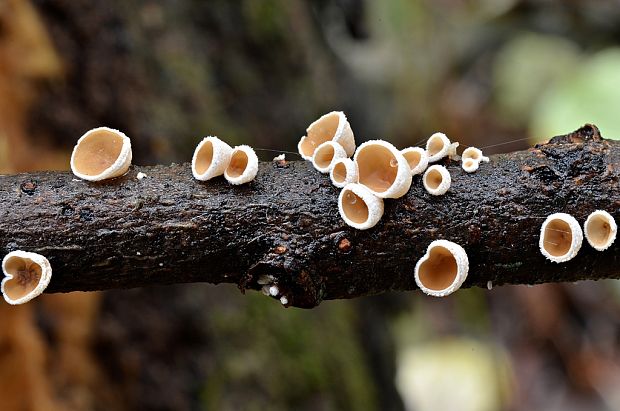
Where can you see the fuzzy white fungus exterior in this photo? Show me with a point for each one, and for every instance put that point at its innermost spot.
(601, 230)
(326, 155)
(437, 180)
(417, 158)
(210, 159)
(560, 237)
(330, 127)
(439, 146)
(243, 165)
(27, 275)
(359, 207)
(343, 172)
(100, 154)
(383, 169)
(443, 269)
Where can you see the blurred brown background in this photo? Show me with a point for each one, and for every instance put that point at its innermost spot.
(168, 72)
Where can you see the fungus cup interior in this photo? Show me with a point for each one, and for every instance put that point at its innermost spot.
(598, 230)
(469, 163)
(433, 179)
(378, 167)
(97, 152)
(324, 155)
(413, 158)
(321, 131)
(354, 207)
(340, 172)
(204, 158)
(435, 145)
(238, 164)
(439, 271)
(471, 154)
(557, 238)
(26, 275)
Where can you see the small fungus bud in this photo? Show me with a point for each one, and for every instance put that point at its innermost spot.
(330, 127)
(601, 230)
(326, 155)
(560, 237)
(359, 207)
(438, 146)
(383, 169)
(243, 165)
(443, 269)
(344, 172)
(437, 180)
(101, 153)
(417, 158)
(211, 158)
(26, 276)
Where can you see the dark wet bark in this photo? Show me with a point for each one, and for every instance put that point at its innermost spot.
(169, 228)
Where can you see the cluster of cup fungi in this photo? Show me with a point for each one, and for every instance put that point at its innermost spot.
(376, 171)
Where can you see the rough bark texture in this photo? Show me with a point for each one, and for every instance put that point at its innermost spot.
(169, 228)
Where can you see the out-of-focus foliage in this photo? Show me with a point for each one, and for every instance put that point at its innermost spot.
(590, 94)
(453, 374)
(525, 68)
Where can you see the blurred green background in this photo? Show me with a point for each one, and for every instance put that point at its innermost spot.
(498, 74)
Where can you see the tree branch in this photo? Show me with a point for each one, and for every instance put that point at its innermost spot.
(169, 228)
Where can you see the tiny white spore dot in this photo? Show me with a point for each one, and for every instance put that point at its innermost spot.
(274, 291)
(284, 300)
(140, 175)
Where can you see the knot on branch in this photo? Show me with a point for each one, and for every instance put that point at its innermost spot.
(587, 133)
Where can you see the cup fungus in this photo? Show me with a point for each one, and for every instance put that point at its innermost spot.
(600, 230)
(443, 269)
(383, 169)
(101, 153)
(437, 180)
(470, 165)
(438, 146)
(326, 155)
(26, 276)
(560, 237)
(417, 158)
(243, 165)
(330, 127)
(211, 158)
(359, 207)
(343, 172)
(475, 154)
